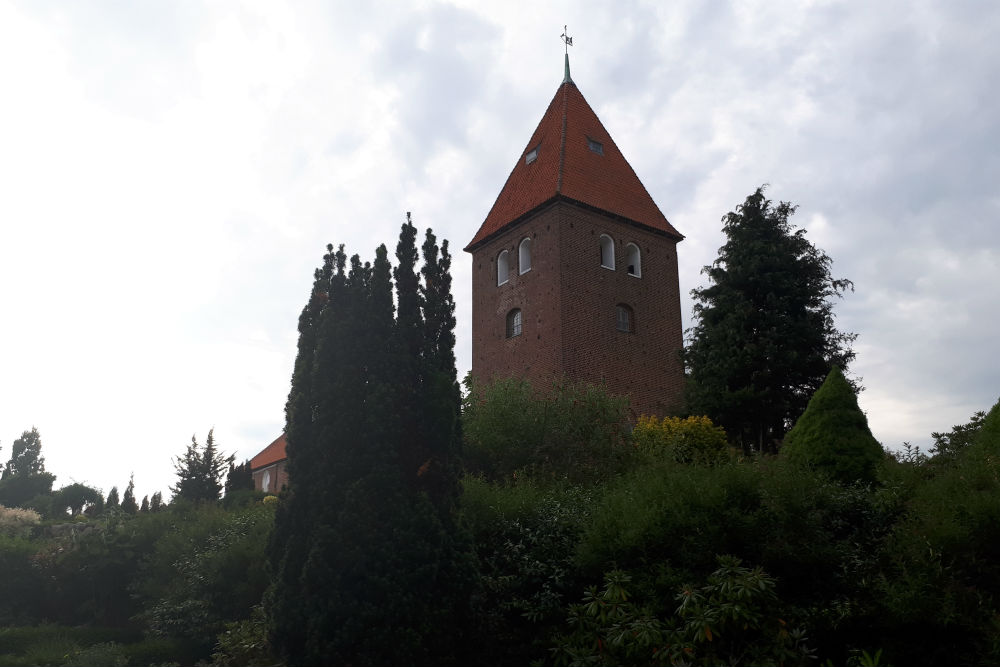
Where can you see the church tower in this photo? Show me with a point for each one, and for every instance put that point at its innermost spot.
(574, 270)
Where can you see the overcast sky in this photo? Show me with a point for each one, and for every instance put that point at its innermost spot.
(171, 172)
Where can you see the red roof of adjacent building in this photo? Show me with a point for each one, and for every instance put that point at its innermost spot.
(271, 454)
(566, 166)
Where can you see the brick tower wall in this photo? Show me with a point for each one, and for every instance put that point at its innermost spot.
(645, 363)
(568, 303)
(537, 353)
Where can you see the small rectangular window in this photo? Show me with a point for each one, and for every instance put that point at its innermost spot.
(624, 319)
(595, 146)
(531, 156)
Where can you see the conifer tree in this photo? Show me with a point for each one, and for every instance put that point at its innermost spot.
(129, 505)
(764, 337)
(113, 501)
(24, 477)
(144, 507)
(26, 455)
(239, 477)
(832, 435)
(200, 471)
(156, 502)
(368, 564)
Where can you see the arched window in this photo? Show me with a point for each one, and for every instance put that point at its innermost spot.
(607, 252)
(503, 267)
(524, 256)
(514, 323)
(633, 260)
(625, 318)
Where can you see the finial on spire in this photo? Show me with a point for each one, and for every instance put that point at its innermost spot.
(568, 41)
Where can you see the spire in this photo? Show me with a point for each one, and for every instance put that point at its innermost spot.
(568, 41)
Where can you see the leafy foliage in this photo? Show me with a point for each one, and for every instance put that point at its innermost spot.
(832, 435)
(525, 538)
(684, 440)
(948, 446)
(75, 497)
(572, 430)
(218, 581)
(764, 337)
(733, 619)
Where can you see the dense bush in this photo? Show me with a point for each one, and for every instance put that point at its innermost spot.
(573, 431)
(941, 582)
(734, 618)
(691, 440)
(525, 538)
(218, 581)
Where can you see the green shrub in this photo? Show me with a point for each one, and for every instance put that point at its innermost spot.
(573, 431)
(244, 644)
(735, 618)
(107, 654)
(22, 585)
(525, 539)
(692, 440)
(832, 435)
(217, 579)
(941, 582)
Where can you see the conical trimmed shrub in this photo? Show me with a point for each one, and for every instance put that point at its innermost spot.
(832, 435)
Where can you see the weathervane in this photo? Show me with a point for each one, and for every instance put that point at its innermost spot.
(567, 40)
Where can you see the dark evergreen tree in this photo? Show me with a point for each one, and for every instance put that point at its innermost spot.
(200, 471)
(832, 435)
(369, 565)
(156, 502)
(129, 506)
(113, 501)
(144, 507)
(26, 455)
(764, 337)
(24, 480)
(239, 477)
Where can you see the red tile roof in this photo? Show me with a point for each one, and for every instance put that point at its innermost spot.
(567, 167)
(271, 454)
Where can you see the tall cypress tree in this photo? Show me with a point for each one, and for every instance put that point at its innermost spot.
(129, 506)
(368, 568)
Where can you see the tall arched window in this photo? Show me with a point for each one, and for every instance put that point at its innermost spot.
(633, 260)
(625, 318)
(514, 323)
(607, 252)
(524, 256)
(503, 267)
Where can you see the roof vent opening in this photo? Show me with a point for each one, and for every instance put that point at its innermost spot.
(595, 146)
(531, 155)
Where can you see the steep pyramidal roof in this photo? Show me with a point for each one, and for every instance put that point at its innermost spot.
(572, 156)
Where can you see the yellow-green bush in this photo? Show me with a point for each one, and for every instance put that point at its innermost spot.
(689, 440)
